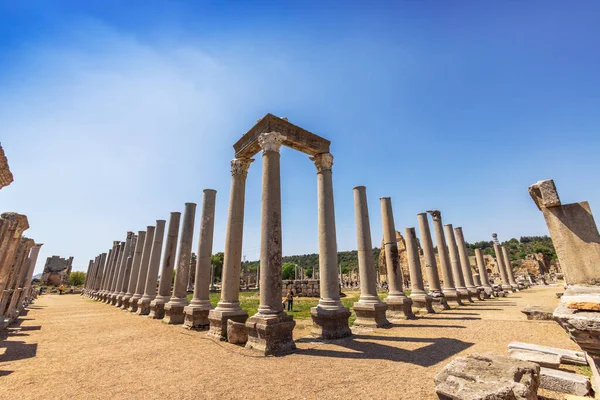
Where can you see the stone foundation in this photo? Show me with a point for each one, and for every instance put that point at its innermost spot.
(330, 324)
(143, 307)
(173, 314)
(271, 335)
(218, 321)
(370, 315)
(424, 302)
(399, 308)
(302, 288)
(196, 317)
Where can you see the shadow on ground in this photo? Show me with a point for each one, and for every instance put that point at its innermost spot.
(14, 350)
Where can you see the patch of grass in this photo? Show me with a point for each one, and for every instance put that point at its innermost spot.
(584, 370)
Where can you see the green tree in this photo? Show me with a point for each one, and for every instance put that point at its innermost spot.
(77, 278)
(217, 260)
(287, 270)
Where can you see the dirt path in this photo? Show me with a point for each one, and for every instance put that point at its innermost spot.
(69, 347)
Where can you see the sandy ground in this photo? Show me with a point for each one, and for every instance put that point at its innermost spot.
(70, 347)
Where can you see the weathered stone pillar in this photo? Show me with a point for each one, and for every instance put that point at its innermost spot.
(509, 271)
(270, 329)
(174, 308)
(370, 311)
(399, 305)
(157, 306)
(418, 294)
(145, 302)
(196, 313)
(465, 263)
(449, 288)
(119, 267)
(140, 284)
(33, 256)
(109, 271)
(330, 317)
(229, 305)
(99, 275)
(431, 264)
(13, 225)
(126, 271)
(459, 279)
(485, 282)
(20, 269)
(505, 283)
(135, 269)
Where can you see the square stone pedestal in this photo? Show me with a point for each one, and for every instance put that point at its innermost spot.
(196, 317)
(113, 300)
(218, 321)
(453, 297)
(133, 304)
(126, 302)
(439, 301)
(487, 291)
(144, 306)
(465, 295)
(422, 301)
(515, 287)
(173, 313)
(330, 324)
(507, 288)
(157, 307)
(399, 308)
(370, 314)
(271, 334)
(119, 301)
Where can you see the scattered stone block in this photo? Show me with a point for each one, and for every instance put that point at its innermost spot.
(559, 294)
(543, 359)
(566, 356)
(488, 376)
(538, 313)
(564, 382)
(237, 333)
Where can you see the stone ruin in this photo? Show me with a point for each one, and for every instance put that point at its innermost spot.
(6, 177)
(302, 288)
(57, 271)
(534, 264)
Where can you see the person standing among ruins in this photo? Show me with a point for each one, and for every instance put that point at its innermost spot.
(61, 289)
(290, 300)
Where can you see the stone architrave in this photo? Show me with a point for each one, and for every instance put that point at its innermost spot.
(330, 317)
(229, 305)
(145, 302)
(157, 306)
(174, 308)
(370, 311)
(399, 305)
(196, 313)
(465, 263)
(418, 294)
(574, 234)
(270, 329)
(123, 282)
(140, 283)
(509, 271)
(502, 269)
(449, 288)
(455, 262)
(483, 275)
(135, 269)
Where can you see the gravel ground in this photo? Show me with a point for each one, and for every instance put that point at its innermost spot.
(70, 347)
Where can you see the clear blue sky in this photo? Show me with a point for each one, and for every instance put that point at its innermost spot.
(115, 113)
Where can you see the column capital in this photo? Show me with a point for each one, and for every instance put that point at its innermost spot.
(271, 141)
(436, 215)
(239, 166)
(323, 161)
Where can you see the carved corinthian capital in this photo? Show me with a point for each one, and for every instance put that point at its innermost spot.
(239, 166)
(435, 214)
(271, 141)
(323, 161)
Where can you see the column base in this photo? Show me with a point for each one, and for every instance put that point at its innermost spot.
(399, 308)
(330, 324)
(423, 301)
(157, 308)
(126, 302)
(489, 292)
(473, 292)
(466, 295)
(144, 306)
(271, 334)
(515, 287)
(196, 317)
(453, 296)
(370, 314)
(133, 304)
(439, 301)
(481, 294)
(119, 301)
(173, 313)
(506, 287)
(218, 321)
(113, 300)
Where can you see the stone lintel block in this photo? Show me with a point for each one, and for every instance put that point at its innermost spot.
(422, 301)
(566, 356)
(543, 359)
(538, 313)
(544, 194)
(196, 317)
(564, 382)
(173, 314)
(399, 308)
(330, 324)
(371, 314)
(218, 321)
(271, 334)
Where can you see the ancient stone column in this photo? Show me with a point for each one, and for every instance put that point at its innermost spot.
(270, 329)
(509, 271)
(399, 305)
(196, 313)
(330, 317)
(174, 308)
(449, 288)
(229, 305)
(157, 306)
(135, 269)
(33, 256)
(485, 282)
(370, 311)
(418, 294)
(431, 264)
(126, 271)
(99, 274)
(459, 279)
(20, 269)
(505, 283)
(119, 267)
(140, 283)
(14, 225)
(145, 302)
(465, 263)
(113, 255)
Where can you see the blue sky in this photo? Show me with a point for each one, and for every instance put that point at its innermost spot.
(113, 114)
